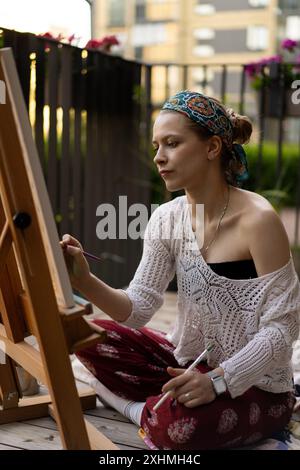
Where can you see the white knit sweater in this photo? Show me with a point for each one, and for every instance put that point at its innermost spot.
(252, 323)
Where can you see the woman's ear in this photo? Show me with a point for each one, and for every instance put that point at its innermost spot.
(214, 147)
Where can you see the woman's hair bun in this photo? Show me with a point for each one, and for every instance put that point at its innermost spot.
(242, 127)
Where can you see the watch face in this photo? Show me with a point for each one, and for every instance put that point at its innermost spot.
(218, 382)
(219, 385)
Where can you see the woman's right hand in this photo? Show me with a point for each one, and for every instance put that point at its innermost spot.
(78, 267)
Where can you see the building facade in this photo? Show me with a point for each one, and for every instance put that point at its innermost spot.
(193, 31)
(197, 32)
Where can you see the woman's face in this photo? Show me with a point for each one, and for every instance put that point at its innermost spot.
(180, 153)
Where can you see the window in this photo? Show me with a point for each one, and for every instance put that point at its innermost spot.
(140, 12)
(293, 27)
(204, 51)
(138, 52)
(258, 3)
(205, 9)
(289, 4)
(257, 38)
(148, 34)
(116, 12)
(204, 33)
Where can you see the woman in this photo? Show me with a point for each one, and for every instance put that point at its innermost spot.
(237, 291)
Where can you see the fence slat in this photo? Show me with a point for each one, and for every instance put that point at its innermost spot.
(52, 100)
(39, 47)
(89, 216)
(79, 134)
(65, 162)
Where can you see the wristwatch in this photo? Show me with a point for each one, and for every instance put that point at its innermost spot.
(218, 382)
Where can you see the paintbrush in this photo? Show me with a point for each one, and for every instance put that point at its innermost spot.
(191, 367)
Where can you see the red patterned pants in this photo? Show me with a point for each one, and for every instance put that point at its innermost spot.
(132, 364)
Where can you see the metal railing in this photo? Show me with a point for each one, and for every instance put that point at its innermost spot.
(275, 118)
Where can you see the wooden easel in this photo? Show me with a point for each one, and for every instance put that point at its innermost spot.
(35, 293)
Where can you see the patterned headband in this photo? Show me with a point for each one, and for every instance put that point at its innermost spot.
(209, 114)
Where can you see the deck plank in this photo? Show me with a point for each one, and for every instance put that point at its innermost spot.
(29, 437)
(4, 447)
(43, 436)
(119, 432)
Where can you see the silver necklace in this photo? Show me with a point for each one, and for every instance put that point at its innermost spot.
(219, 223)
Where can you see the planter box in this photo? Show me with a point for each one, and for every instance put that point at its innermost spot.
(272, 103)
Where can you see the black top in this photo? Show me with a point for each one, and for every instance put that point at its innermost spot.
(241, 269)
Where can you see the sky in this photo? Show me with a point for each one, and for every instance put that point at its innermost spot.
(40, 16)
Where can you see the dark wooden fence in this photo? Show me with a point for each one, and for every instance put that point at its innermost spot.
(87, 122)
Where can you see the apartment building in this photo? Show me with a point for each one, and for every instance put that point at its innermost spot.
(148, 30)
(289, 19)
(195, 30)
(198, 32)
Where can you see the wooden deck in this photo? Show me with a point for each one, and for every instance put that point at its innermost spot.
(42, 433)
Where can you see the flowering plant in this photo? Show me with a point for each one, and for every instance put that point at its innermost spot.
(72, 40)
(289, 64)
(103, 44)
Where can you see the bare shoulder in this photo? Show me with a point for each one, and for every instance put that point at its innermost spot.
(264, 233)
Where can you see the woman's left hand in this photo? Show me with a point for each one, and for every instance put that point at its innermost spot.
(192, 389)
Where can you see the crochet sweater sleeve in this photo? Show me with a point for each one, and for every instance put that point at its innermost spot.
(271, 346)
(155, 271)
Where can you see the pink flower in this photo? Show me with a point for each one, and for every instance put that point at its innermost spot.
(47, 35)
(92, 44)
(71, 38)
(254, 68)
(268, 60)
(289, 44)
(259, 71)
(111, 40)
(276, 58)
(251, 69)
(103, 44)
